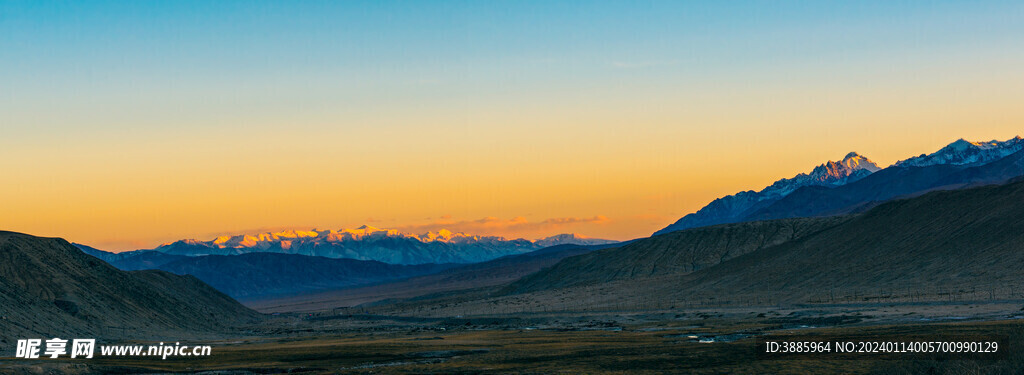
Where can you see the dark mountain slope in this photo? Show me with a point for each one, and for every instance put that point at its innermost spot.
(678, 252)
(1001, 170)
(145, 260)
(970, 238)
(508, 268)
(49, 288)
(494, 272)
(263, 274)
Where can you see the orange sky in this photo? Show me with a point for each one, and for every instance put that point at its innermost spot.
(123, 130)
(602, 183)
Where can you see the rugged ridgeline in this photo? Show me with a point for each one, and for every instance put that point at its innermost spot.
(49, 288)
(890, 183)
(254, 275)
(674, 253)
(856, 183)
(943, 245)
(735, 208)
(132, 260)
(369, 243)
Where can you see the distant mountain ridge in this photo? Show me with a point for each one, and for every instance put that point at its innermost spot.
(267, 274)
(262, 275)
(891, 183)
(363, 243)
(285, 238)
(958, 164)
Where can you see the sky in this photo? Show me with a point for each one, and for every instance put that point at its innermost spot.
(124, 125)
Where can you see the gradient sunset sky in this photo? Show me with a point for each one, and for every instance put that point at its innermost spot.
(126, 124)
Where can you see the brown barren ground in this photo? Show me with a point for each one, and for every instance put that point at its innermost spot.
(610, 344)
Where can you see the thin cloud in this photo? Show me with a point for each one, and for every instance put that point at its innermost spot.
(515, 226)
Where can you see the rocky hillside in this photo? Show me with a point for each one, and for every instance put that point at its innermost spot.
(942, 242)
(49, 288)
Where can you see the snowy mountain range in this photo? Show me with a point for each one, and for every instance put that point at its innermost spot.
(948, 166)
(369, 243)
(963, 152)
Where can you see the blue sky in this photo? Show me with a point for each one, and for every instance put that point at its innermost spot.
(110, 44)
(638, 111)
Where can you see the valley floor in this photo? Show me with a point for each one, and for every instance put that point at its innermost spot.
(712, 340)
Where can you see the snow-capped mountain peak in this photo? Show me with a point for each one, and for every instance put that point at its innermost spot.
(440, 235)
(730, 208)
(833, 173)
(964, 152)
(854, 161)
